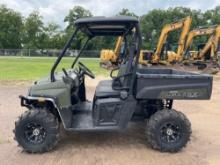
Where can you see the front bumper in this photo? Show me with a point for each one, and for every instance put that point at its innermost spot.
(24, 101)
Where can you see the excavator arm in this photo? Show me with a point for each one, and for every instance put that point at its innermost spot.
(213, 44)
(194, 33)
(185, 24)
(216, 43)
(182, 39)
(118, 46)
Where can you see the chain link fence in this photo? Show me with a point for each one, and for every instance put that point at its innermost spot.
(47, 53)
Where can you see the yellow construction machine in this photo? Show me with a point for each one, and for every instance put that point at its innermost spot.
(209, 55)
(108, 57)
(206, 57)
(193, 55)
(172, 56)
(145, 57)
(212, 45)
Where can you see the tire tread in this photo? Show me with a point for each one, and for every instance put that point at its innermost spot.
(158, 116)
(45, 116)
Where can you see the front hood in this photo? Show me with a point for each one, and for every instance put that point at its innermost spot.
(44, 85)
(46, 79)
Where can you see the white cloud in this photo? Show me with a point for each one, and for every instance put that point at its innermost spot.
(56, 10)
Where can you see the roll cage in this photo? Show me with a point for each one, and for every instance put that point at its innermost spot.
(106, 26)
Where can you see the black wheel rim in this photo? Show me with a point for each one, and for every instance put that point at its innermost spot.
(170, 133)
(34, 133)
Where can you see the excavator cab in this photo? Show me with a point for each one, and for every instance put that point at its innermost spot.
(145, 57)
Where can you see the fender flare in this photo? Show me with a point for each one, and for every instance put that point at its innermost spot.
(26, 99)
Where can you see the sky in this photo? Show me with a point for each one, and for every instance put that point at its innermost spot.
(56, 10)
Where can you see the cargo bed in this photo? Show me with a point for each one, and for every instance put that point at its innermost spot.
(155, 83)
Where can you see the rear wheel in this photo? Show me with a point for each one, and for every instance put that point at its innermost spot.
(168, 130)
(37, 131)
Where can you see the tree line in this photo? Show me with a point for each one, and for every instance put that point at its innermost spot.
(31, 32)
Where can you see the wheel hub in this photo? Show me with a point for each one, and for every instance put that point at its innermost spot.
(36, 132)
(169, 131)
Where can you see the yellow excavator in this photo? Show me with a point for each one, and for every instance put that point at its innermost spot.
(212, 45)
(206, 57)
(147, 56)
(193, 55)
(108, 57)
(172, 56)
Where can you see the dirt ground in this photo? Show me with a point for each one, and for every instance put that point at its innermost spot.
(128, 147)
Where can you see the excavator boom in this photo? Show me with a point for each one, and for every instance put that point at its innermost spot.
(118, 46)
(182, 39)
(194, 33)
(185, 24)
(213, 44)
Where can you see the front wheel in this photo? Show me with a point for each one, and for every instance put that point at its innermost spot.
(37, 131)
(168, 130)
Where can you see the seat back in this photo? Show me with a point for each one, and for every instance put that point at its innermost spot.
(124, 80)
(122, 69)
(127, 67)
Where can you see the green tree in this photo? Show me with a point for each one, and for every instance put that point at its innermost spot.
(126, 12)
(52, 29)
(33, 34)
(52, 34)
(151, 25)
(10, 28)
(153, 22)
(213, 16)
(75, 13)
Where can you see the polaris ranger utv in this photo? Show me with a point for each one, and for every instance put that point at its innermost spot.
(133, 94)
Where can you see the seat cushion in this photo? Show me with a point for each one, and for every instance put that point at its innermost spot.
(105, 82)
(104, 89)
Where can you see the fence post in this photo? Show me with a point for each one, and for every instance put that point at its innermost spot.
(29, 52)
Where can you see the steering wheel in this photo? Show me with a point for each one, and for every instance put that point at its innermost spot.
(86, 70)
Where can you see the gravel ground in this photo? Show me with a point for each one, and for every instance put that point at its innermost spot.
(128, 147)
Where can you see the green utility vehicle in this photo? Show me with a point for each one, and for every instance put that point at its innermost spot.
(133, 94)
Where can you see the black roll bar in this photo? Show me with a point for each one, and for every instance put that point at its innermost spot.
(81, 50)
(138, 42)
(52, 78)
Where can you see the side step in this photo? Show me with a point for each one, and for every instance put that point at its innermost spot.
(82, 120)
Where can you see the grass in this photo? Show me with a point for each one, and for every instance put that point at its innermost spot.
(32, 68)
